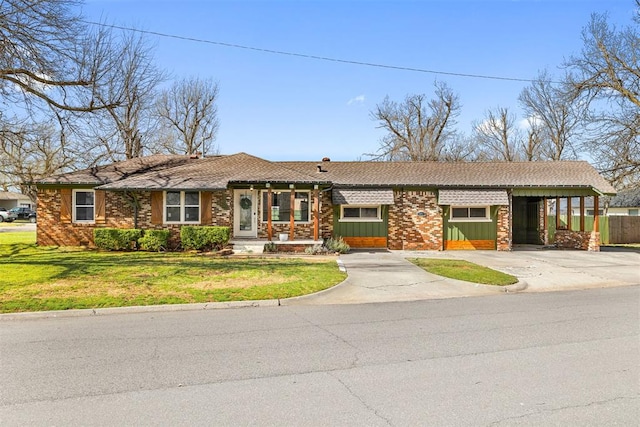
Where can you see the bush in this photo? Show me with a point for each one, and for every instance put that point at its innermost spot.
(338, 245)
(116, 239)
(154, 240)
(315, 250)
(270, 247)
(204, 238)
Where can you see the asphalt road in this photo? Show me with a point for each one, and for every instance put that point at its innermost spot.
(562, 358)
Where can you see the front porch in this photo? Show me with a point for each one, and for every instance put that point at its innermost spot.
(257, 246)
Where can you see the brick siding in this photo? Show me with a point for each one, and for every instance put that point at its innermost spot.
(415, 221)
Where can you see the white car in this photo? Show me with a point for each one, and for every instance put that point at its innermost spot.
(6, 216)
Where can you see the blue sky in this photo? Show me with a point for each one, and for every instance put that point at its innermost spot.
(286, 107)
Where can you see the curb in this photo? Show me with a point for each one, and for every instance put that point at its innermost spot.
(90, 312)
(516, 287)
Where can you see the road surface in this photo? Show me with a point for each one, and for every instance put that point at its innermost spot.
(562, 358)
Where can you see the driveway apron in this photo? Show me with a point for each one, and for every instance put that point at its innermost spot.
(386, 277)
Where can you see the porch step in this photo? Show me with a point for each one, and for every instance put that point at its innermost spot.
(248, 247)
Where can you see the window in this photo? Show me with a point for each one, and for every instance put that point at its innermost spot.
(470, 213)
(360, 213)
(83, 206)
(281, 206)
(633, 212)
(182, 207)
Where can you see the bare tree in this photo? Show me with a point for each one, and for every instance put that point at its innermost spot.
(498, 135)
(46, 58)
(189, 114)
(532, 141)
(31, 152)
(557, 113)
(124, 127)
(607, 75)
(417, 129)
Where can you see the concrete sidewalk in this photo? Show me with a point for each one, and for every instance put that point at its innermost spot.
(388, 276)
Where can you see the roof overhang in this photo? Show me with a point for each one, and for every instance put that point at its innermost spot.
(362, 196)
(486, 197)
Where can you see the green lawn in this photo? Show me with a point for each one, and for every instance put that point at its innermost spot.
(464, 270)
(50, 278)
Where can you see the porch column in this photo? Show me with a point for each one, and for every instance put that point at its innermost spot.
(316, 214)
(545, 221)
(292, 216)
(569, 213)
(581, 213)
(557, 213)
(596, 214)
(269, 203)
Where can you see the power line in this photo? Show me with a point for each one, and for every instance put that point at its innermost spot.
(315, 57)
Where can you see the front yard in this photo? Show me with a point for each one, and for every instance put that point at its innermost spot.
(49, 278)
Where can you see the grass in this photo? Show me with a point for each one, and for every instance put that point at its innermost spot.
(464, 270)
(50, 278)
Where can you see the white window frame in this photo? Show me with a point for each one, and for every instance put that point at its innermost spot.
(378, 217)
(263, 208)
(74, 212)
(182, 207)
(469, 218)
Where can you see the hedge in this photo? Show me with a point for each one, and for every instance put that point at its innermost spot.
(154, 240)
(116, 239)
(204, 238)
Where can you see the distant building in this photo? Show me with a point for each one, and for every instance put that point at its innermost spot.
(9, 199)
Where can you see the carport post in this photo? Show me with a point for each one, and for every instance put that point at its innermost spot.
(596, 214)
(581, 213)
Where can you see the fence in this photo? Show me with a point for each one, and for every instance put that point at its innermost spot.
(624, 229)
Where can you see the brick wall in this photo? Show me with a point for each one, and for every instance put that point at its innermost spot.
(415, 221)
(584, 240)
(51, 231)
(503, 223)
(119, 213)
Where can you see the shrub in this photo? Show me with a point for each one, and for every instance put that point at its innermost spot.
(270, 247)
(154, 240)
(337, 245)
(204, 238)
(315, 250)
(116, 239)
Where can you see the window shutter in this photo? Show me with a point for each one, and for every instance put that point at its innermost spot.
(100, 207)
(205, 208)
(156, 207)
(66, 205)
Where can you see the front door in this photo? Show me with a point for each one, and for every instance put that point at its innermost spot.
(245, 217)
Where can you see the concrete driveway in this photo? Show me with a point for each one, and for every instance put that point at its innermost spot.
(387, 276)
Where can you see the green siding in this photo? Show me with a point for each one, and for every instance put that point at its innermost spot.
(471, 230)
(361, 229)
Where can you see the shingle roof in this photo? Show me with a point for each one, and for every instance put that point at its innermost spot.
(626, 199)
(363, 196)
(182, 172)
(10, 195)
(215, 173)
(459, 174)
(473, 197)
(118, 171)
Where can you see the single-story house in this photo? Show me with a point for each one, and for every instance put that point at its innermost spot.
(626, 202)
(11, 199)
(395, 205)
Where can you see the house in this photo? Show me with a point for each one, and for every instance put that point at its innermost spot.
(10, 199)
(395, 205)
(626, 202)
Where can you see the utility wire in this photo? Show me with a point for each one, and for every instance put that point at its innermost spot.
(315, 57)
